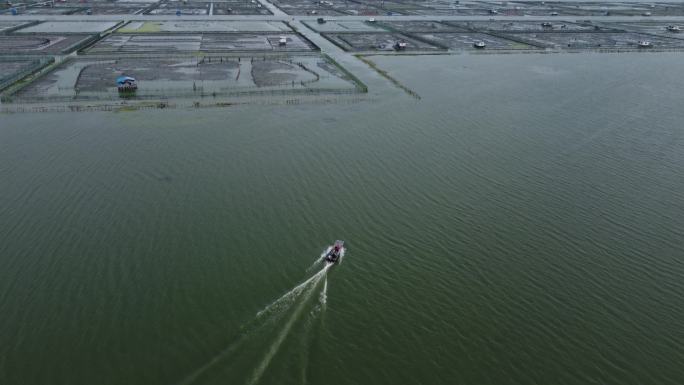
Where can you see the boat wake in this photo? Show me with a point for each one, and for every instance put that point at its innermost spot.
(285, 301)
(323, 299)
(319, 259)
(289, 307)
(307, 288)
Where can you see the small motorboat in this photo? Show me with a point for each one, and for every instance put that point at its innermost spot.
(126, 84)
(673, 28)
(282, 40)
(335, 252)
(546, 24)
(400, 45)
(644, 44)
(479, 44)
(371, 20)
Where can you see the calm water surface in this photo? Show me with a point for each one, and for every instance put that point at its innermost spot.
(522, 223)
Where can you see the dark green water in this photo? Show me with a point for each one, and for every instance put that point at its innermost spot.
(521, 224)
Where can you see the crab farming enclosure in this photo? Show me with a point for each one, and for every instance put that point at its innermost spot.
(72, 50)
(43, 43)
(132, 43)
(70, 27)
(91, 78)
(13, 69)
(606, 40)
(187, 26)
(379, 42)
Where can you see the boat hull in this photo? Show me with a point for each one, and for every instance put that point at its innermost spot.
(335, 252)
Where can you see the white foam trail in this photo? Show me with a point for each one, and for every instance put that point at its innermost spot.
(259, 371)
(314, 315)
(291, 295)
(320, 258)
(304, 349)
(283, 304)
(307, 340)
(191, 378)
(324, 293)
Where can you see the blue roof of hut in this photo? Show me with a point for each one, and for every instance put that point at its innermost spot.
(124, 79)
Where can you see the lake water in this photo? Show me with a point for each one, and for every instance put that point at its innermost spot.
(521, 223)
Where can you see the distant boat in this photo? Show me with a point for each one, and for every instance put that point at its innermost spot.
(371, 20)
(282, 40)
(126, 84)
(554, 13)
(400, 45)
(546, 24)
(674, 28)
(644, 44)
(321, 20)
(479, 44)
